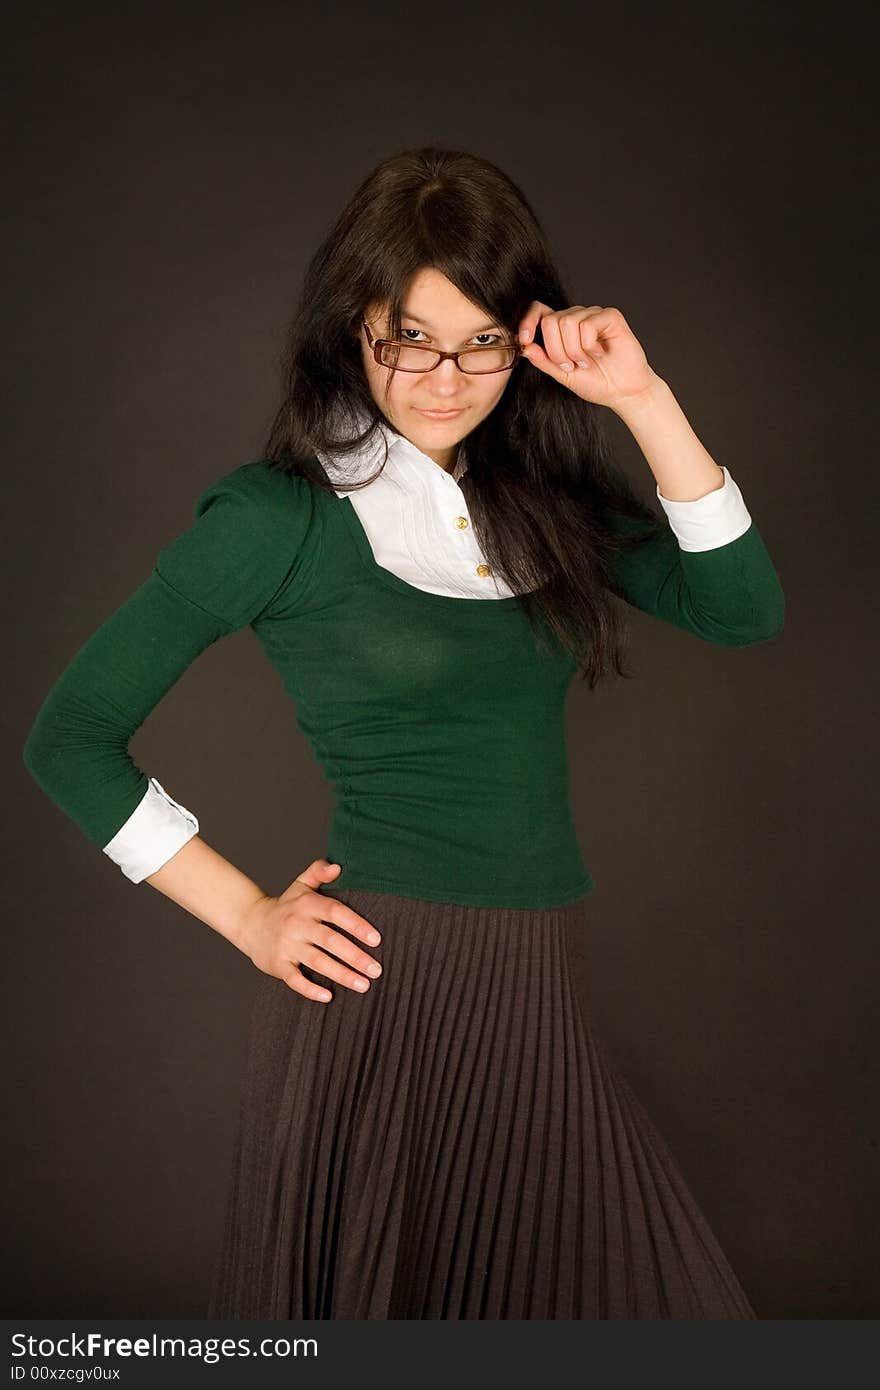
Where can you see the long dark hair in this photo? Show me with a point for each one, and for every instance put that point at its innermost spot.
(547, 503)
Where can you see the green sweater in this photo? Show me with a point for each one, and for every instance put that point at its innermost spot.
(439, 721)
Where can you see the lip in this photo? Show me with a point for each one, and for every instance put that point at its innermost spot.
(441, 414)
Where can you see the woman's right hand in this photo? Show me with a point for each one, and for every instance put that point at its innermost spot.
(281, 934)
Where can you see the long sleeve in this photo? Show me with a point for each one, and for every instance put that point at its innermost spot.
(245, 545)
(708, 572)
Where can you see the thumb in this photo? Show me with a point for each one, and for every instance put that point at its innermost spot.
(538, 358)
(317, 873)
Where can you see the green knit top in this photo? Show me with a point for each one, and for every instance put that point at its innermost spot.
(438, 721)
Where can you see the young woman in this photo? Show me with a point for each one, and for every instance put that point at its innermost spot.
(429, 550)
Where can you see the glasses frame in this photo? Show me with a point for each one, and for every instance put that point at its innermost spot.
(377, 345)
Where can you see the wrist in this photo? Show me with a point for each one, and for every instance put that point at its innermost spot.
(642, 403)
(242, 926)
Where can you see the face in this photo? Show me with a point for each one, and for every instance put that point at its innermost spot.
(438, 315)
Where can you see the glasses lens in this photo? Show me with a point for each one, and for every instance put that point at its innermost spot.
(491, 359)
(408, 357)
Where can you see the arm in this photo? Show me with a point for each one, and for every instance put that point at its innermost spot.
(77, 751)
(708, 571)
(683, 469)
(202, 882)
(245, 547)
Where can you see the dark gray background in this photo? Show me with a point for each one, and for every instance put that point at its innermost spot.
(168, 176)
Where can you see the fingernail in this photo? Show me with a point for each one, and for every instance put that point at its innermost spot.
(374, 938)
(525, 336)
(567, 366)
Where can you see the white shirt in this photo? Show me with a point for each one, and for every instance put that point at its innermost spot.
(417, 522)
(418, 525)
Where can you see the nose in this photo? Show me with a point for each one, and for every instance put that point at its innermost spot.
(446, 379)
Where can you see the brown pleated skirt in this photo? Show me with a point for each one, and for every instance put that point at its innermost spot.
(453, 1143)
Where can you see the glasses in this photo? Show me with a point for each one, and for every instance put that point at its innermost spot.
(418, 357)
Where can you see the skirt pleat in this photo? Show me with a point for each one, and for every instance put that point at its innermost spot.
(454, 1143)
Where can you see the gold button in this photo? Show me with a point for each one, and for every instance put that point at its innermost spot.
(461, 522)
(483, 570)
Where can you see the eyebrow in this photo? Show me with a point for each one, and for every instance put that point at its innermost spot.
(405, 314)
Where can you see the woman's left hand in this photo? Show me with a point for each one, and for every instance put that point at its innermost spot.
(593, 351)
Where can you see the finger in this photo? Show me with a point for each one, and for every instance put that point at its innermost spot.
(579, 329)
(596, 324)
(538, 357)
(339, 945)
(297, 981)
(569, 336)
(341, 915)
(529, 323)
(579, 333)
(323, 964)
(554, 347)
(317, 873)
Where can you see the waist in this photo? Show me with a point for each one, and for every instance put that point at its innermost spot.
(511, 852)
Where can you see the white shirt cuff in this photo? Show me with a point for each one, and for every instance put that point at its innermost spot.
(156, 829)
(709, 521)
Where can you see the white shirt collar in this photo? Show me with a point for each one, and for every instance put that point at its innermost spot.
(403, 458)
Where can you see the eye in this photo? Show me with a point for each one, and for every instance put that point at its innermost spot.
(477, 336)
